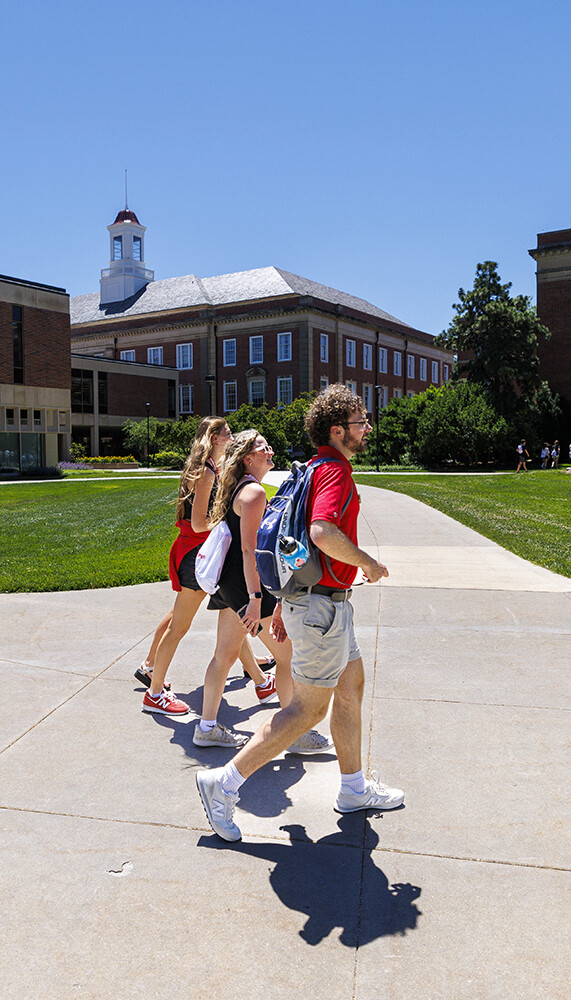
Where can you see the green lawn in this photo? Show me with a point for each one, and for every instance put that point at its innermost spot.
(529, 514)
(112, 532)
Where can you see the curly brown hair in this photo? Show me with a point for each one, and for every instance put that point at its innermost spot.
(333, 407)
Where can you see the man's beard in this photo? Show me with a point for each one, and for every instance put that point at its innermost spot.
(355, 447)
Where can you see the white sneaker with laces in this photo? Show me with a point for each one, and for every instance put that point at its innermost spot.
(218, 736)
(311, 742)
(375, 796)
(218, 805)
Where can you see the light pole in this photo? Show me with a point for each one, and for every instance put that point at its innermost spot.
(148, 405)
(210, 381)
(377, 390)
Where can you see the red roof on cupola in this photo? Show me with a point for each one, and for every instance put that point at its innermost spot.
(126, 216)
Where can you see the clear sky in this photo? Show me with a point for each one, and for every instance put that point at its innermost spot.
(381, 148)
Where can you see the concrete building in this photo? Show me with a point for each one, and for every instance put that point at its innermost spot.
(553, 257)
(35, 374)
(264, 335)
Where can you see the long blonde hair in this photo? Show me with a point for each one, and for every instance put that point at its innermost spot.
(233, 469)
(196, 461)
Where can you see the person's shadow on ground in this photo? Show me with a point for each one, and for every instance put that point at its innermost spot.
(336, 883)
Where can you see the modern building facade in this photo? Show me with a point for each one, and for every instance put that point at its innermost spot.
(553, 257)
(35, 374)
(258, 336)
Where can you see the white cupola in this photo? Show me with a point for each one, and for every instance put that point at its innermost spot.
(126, 273)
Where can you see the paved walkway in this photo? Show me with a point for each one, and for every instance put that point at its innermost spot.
(113, 885)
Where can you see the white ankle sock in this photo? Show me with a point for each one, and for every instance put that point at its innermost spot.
(356, 782)
(231, 779)
(207, 724)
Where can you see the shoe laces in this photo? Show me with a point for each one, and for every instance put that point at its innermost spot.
(376, 785)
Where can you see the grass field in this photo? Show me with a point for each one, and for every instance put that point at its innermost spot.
(111, 532)
(529, 514)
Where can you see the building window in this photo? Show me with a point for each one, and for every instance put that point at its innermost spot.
(435, 371)
(284, 346)
(368, 357)
(324, 347)
(10, 418)
(383, 396)
(352, 386)
(18, 344)
(323, 383)
(397, 393)
(350, 353)
(102, 396)
(23, 418)
(155, 355)
(446, 375)
(423, 369)
(186, 398)
(81, 391)
(256, 350)
(228, 353)
(397, 363)
(184, 356)
(383, 360)
(230, 395)
(117, 247)
(37, 419)
(257, 391)
(285, 391)
(137, 248)
(410, 365)
(368, 398)
(127, 355)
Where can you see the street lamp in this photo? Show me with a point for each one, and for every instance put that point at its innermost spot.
(377, 390)
(210, 381)
(148, 405)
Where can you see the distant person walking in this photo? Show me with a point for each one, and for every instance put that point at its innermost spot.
(523, 456)
(555, 455)
(326, 658)
(545, 453)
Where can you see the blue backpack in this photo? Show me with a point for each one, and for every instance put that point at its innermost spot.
(286, 515)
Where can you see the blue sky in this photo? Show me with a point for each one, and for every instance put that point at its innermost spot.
(382, 148)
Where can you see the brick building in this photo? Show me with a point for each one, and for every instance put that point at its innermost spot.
(257, 336)
(35, 374)
(553, 257)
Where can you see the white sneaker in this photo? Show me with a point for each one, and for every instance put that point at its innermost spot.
(375, 796)
(218, 736)
(218, 805)
(311, 742)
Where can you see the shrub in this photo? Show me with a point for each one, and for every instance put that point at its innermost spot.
(169, 460)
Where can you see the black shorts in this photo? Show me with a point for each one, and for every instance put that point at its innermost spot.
(186, 575)
(233, 593)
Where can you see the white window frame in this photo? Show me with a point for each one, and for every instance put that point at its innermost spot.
(446, 373)
(368, 397)
(368, 357)
(324, 348)
(229, 352)
(186, 398)
(227, 388)
(257, 350)
(323, 383)
(383, 360)
(397, 393)
(184, 356)
(251, 383)
(127, 355)
(350, 353)
(422, 366)
(154, 355)
(410, 365)
(285, 389)
(383, 397)
(397, 363)
(352, 386)
(434, 372)
(284, 346)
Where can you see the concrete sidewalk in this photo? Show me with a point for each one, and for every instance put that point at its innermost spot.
(113, 885)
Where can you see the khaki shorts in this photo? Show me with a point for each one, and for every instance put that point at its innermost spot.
(322, 636)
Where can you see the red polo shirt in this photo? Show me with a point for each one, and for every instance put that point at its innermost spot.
(330, 489)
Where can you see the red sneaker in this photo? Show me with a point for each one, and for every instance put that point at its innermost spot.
(268, 690)
(164, 704)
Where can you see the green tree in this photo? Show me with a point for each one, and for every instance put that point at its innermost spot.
(459, 423)
(498, 334)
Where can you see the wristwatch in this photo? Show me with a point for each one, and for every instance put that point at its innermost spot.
(257, 595)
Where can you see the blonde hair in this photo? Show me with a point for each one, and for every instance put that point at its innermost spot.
(233, 469)
(195, 464)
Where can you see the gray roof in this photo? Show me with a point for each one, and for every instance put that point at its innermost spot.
(222, 289)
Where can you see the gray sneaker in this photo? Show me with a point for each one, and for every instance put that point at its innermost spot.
(375, 796)
(218, 736)
(218, 805)
(311, 742)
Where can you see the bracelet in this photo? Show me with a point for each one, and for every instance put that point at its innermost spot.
(257, 595)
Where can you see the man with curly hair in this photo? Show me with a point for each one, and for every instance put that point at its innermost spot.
(326, 660)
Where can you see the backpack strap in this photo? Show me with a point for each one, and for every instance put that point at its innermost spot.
(320, 461)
